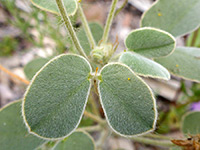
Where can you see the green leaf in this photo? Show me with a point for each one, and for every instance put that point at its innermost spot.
(97, 32)
(56, 98)
(184, 63)
(34, 66)
(128, 102)
(177, 17)
(144, 66)
(77, 141)
(13, 133)
(150, 42)
(190, 123)
(71, 6)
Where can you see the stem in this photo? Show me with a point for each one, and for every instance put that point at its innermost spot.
(102, 139)
(161, 143)
(49, 145)
(194, 37)
(13, 75)
(116, 57)
(94, 105)
(109, 21)
(41, 146)
(86, 28)
(91, 128)
(94, 117)
(69, 27)
(157, 136)
(119, 9)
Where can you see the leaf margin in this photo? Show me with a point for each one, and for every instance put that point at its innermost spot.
(10, 103)
(53, 12)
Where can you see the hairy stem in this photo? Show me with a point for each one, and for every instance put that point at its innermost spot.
(91, 128)
(86, 28)
(94, 105)
(157, 136)
(116, 57)
(94, 117)
(42, 145)
(162, 143)
(119, 9)
(102, 139)
(49, 145)
(69, 27)
(109, 21)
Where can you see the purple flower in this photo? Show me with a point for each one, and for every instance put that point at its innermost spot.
(195, 106)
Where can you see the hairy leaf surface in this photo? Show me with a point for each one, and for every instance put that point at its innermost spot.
(13, 132)
(144, 66)
(150, 42)
(127, 101)
(177, 17)
(184, 62)
(55, 100)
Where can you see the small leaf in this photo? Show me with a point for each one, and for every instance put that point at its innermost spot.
(77, 141)
(56, 98)
(51, 6)
(128, 103)
(144, 66)
(97, 32)
(190, 123)
(13, 132)
(150, 42)
(184, 63)
(177, 17)
(34, 66)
